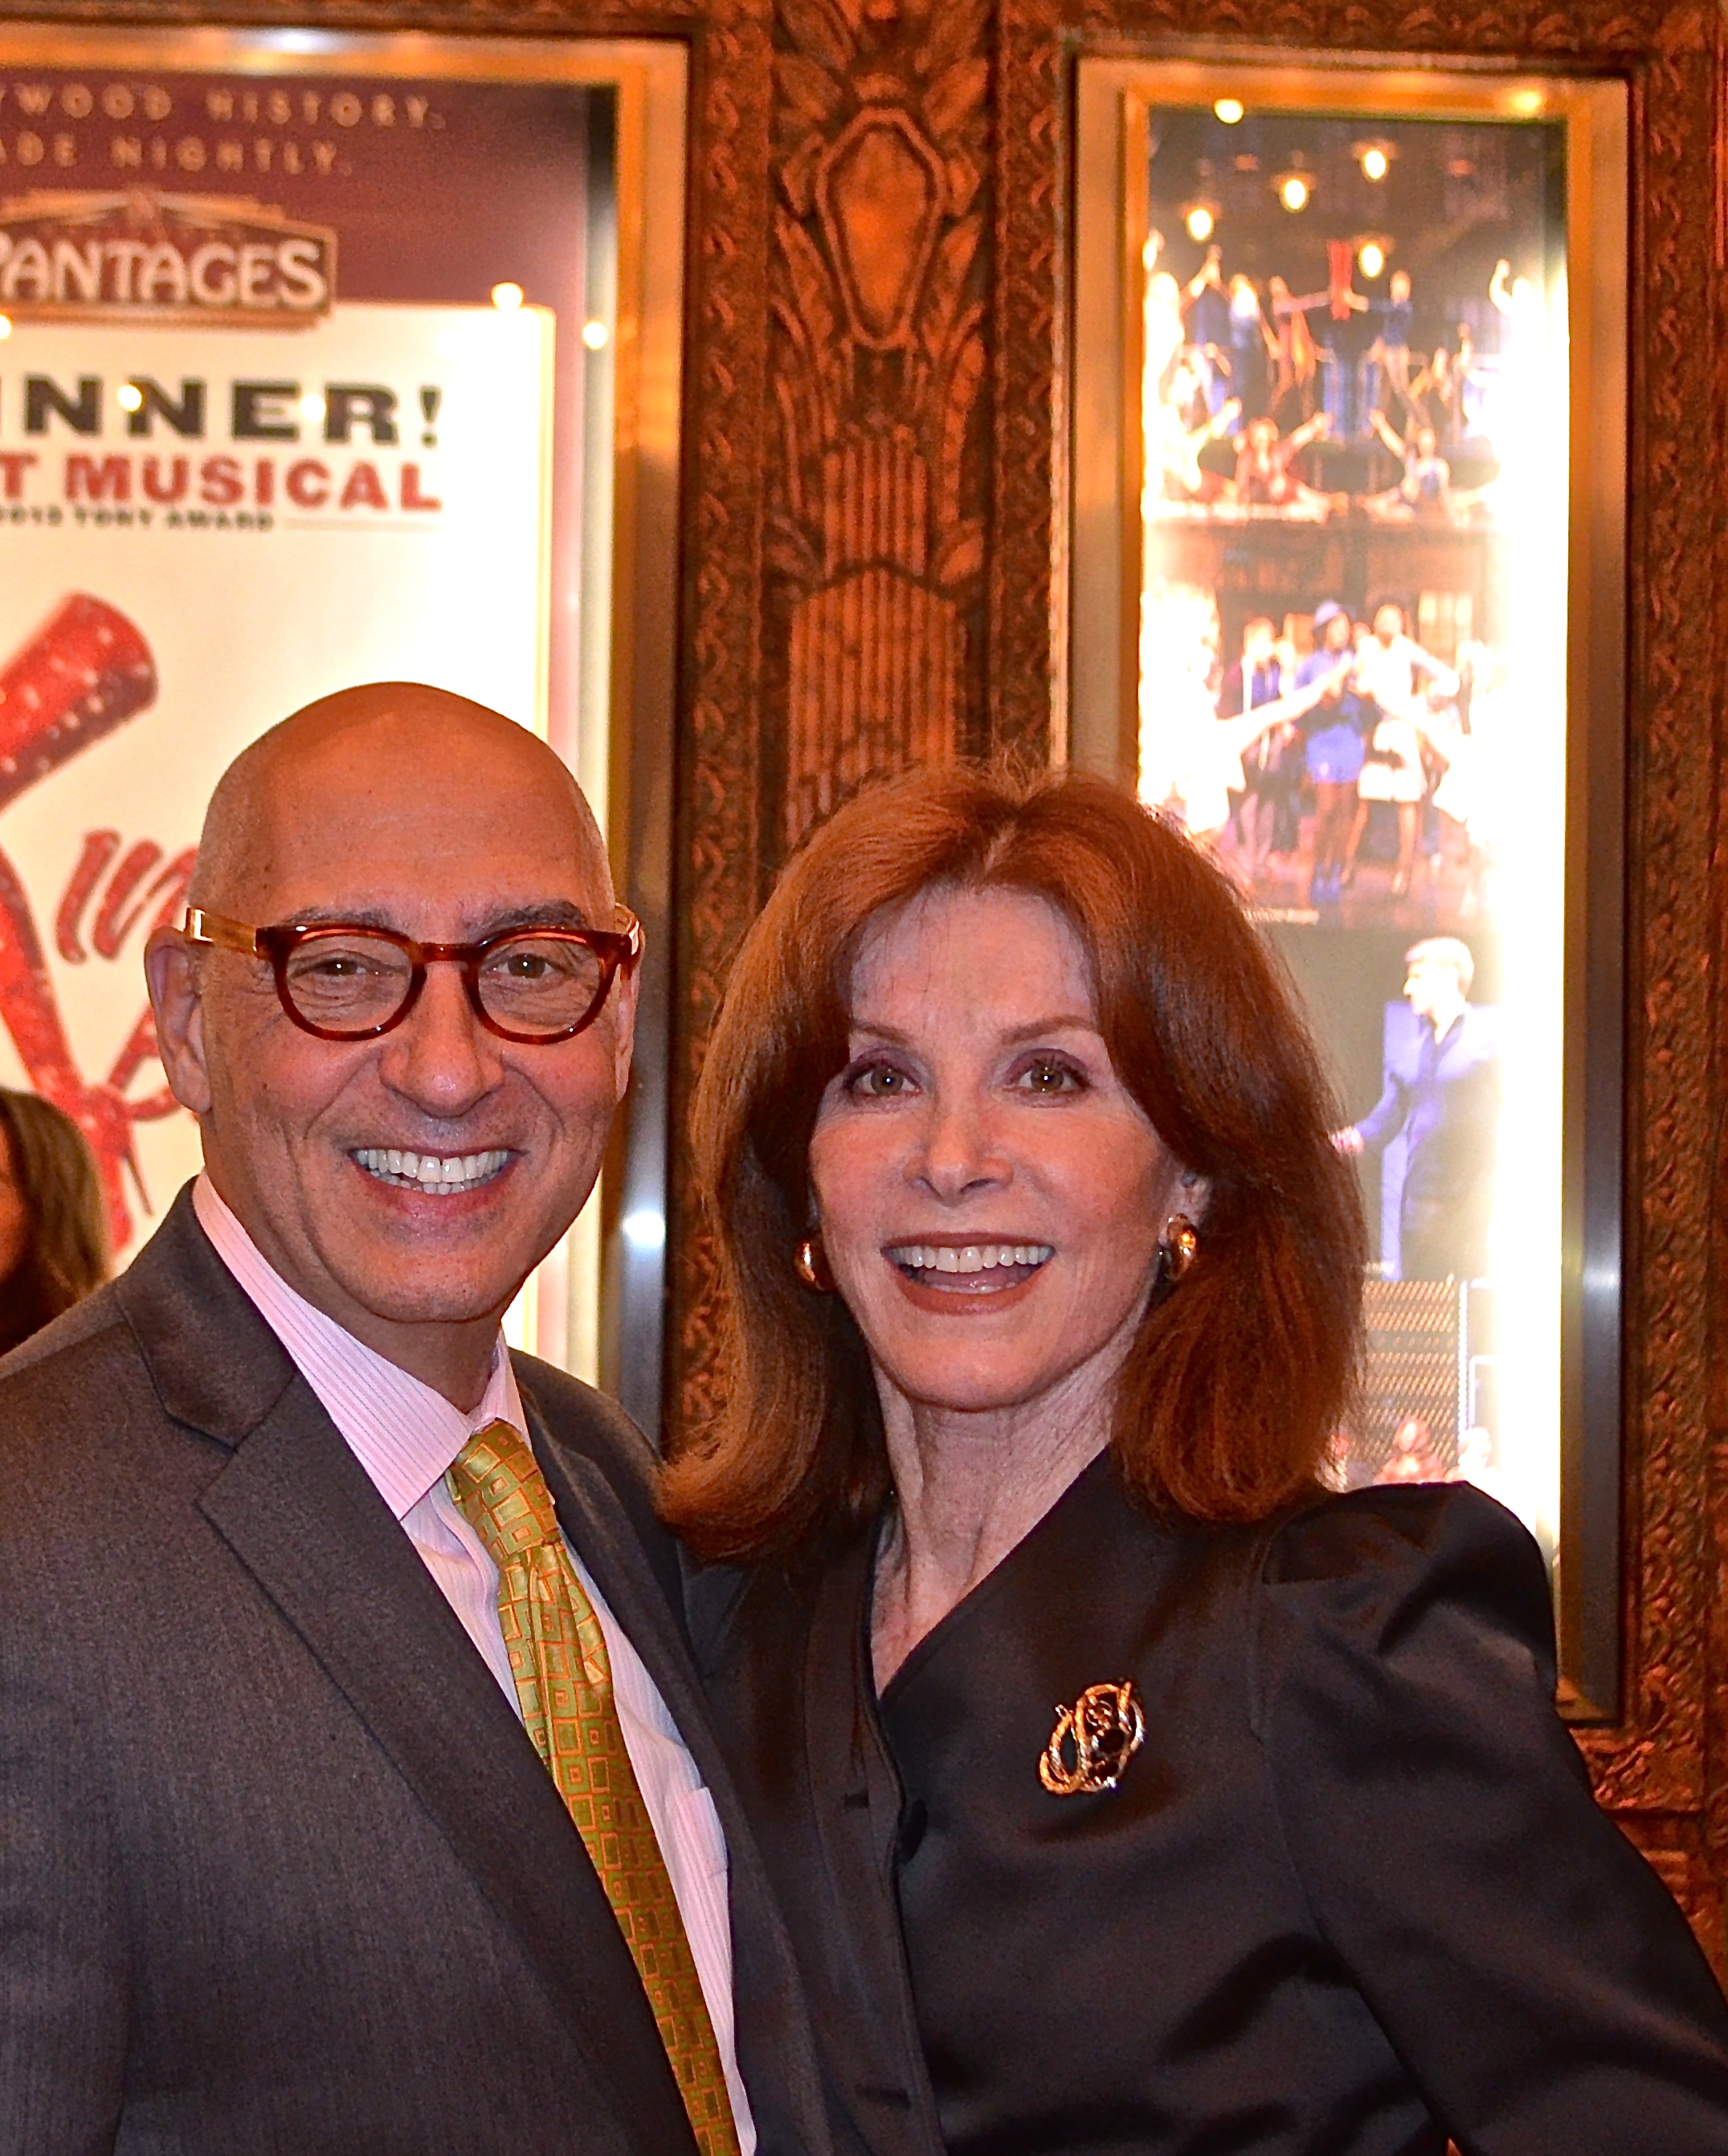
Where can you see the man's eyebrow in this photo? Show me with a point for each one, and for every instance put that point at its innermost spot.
(548, 913)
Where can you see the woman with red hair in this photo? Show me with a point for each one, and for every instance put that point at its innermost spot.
(1126, 1791)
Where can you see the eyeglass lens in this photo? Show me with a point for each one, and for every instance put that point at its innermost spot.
(344, 982)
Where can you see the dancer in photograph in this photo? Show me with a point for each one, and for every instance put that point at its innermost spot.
(1442, 1091)
(1252, 349)
(1270, 764)
(1468, 389)
(1296, 359)
(1335, 745)
(1206, 317)
(1263, 478)
(1390, 665)
(1190, 761)
(1424, 488)
(1182, 426)
(1464, 797)
(1436, 390)
(1348, 340)
(1391, 349)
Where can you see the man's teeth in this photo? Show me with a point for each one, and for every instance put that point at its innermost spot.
(430, 1171)
(968, 1257)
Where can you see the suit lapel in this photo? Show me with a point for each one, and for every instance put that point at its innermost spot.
(300, 1512)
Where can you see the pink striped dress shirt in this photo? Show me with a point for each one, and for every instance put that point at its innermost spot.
(405, 1436)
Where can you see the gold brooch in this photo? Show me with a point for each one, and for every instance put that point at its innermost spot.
(1092, 1740)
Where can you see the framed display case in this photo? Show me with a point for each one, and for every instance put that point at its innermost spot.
(326, 358)
(1348, 602)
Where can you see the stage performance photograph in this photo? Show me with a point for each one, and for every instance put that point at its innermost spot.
(1346, 356)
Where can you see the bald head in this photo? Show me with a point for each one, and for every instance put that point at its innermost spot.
(409, 752)
(405, 1181)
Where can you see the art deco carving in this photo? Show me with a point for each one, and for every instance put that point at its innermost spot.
(878, 293)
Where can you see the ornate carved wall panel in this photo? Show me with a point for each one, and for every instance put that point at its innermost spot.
(879, 295)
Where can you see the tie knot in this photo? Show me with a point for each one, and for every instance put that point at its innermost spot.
(496, 1481)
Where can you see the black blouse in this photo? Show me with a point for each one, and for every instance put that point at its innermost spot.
(1349, 1896)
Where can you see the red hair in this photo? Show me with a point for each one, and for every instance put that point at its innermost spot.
(1239, 1377)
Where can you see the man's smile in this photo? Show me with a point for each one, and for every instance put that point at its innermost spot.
(433, 1174)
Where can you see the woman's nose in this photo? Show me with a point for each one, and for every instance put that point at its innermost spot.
(959, 1148)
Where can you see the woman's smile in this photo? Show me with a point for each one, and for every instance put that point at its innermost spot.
(975, 1280)
(979, 1267)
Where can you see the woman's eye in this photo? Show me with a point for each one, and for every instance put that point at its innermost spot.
(879, 1082)
(1048, 1075)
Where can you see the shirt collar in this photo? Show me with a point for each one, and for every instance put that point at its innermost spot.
(402, 1433)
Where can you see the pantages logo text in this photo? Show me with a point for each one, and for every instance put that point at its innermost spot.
(138, 255)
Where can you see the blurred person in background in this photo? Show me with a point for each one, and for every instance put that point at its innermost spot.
(54, 1234)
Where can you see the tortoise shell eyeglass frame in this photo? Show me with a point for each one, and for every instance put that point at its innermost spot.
(617, 949)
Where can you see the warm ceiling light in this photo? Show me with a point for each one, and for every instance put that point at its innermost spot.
(1376, 164)
(129, 397)
(1229, 110)
(507, 298)
(1371, 258)
(1294, 191)
(5, 326)
(594, 336)
(1200, 221)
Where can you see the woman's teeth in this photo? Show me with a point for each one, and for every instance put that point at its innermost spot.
(440, 1174)
(968, 1257)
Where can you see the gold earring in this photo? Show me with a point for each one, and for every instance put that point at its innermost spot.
(810, 1264)
(1178, 1246)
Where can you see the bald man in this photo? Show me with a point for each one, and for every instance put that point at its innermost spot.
(355, 1794)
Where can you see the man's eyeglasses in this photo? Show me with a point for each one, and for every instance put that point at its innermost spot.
(346, 982)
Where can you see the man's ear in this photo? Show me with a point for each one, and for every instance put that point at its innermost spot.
(171, 967)
(625, 988)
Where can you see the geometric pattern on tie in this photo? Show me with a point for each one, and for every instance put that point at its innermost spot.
(557, 1656)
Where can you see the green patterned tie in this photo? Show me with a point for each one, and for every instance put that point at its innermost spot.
(558, 1655)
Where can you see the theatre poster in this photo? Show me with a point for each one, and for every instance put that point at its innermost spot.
(290, 385)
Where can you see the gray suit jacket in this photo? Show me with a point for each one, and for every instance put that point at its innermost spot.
(280, 1872)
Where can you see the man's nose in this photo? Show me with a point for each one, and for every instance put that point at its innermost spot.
(441, 1059)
